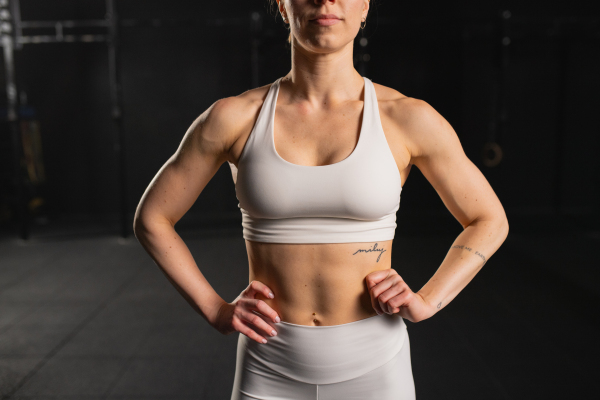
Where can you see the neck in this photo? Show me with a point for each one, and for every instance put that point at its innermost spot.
(323, 78)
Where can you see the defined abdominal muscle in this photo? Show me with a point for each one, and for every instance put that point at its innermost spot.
(318, 284)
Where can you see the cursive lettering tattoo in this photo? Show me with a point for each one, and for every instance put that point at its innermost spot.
(469, 249)
(439, 305)
(381, 251)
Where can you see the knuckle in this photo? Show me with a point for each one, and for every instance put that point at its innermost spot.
(257, 337)
(248, 332)
(242, 317)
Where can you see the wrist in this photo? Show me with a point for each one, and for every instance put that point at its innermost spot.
(429, 303)
(212, 312)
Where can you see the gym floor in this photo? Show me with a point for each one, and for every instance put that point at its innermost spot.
(88, 315)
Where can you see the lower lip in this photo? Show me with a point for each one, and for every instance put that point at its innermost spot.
(325, 21)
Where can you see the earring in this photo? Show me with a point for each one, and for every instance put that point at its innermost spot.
(363, 26)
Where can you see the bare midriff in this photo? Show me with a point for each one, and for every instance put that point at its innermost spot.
(318, 284)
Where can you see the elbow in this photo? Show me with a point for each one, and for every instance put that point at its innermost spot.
(144, 232)
(502, 229)
(499, 225)
(145, 224)
(503, 223)
(138, 223)
(139, 227)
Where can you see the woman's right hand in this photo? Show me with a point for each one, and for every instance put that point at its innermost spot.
(244, 314)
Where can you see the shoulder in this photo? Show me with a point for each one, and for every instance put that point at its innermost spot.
(228, 119)
(422, 129)
(237, 110)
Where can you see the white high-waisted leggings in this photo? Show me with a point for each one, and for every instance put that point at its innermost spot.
(365, 359)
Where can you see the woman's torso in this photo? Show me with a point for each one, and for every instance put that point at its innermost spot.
(322, 283)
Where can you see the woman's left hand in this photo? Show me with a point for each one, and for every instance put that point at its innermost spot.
(390, 295)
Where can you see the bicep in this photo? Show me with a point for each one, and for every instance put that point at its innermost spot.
(439, 155)
(179, 182)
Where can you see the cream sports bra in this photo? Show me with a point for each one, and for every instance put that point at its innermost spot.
(354, 200)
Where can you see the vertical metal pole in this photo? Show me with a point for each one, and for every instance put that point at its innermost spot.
(15, 10)
(117, 111)
(13, 122)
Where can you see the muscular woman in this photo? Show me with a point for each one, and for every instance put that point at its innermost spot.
(319, 159)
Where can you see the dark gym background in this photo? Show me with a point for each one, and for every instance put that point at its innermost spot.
(86, 314)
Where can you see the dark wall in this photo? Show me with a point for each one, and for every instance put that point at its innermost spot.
(446, 53)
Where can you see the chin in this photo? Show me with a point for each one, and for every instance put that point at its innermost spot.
(324, 43)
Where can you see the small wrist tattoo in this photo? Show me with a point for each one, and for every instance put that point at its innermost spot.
(439, 305)
(381, 251)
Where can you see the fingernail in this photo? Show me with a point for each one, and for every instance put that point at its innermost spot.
(273, 333)
(271, 295)
(264, 340)
(277, 319)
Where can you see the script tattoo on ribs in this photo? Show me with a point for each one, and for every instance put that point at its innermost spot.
(381, 251)
(460, 246)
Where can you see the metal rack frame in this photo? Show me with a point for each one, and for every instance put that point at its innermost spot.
(12, 38)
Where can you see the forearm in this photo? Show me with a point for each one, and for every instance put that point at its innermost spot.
(467, 255)
(175, 260)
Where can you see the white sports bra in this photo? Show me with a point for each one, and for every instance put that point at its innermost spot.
(354, 200)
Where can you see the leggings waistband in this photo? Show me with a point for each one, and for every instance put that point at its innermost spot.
(327, 354)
